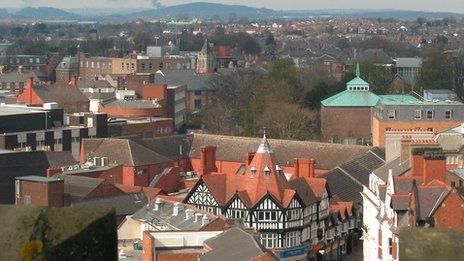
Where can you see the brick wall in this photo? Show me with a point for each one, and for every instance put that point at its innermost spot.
(42, 193)
(450, 214)
(379, 127)
(344, 122)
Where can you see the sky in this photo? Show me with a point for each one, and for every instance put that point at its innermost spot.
(425, 5)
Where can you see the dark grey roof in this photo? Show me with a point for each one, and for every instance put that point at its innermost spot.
(17, 77)
(99, 95)
(122, 151)
(123, 205)
(174, 147)
(78, 187)
(244, 247)
(60, 158)
(395, 165)
(347, 180)
(343, 186)
(193, 80)
(429, 199)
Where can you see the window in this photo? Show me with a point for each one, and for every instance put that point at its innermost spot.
(75, 139)
(429, 114)
(293, 238)
(417, 114)
(390, 246)
(448, 114)
(391, 114)
(57, 141)
(27, 199)
(267, 216)
(270, 240)
(198, 104)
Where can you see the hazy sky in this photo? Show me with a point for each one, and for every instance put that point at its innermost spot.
(429, 5)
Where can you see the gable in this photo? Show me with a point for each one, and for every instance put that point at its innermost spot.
(202, 196)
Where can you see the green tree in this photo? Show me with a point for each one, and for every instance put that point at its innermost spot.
(435, 73)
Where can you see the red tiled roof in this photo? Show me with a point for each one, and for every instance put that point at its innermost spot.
(259, 180)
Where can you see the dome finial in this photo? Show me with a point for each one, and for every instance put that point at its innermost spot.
(264, 146)
(358, 73)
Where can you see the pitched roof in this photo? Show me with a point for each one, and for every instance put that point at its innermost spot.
(123, 205)
(164, 215)
(60, 158)
(347, 180)
(350, 98)
(246, 247)
(78, 187)
(60, 94)
(122, 151)
(395, 165)
(235, 148)
(429, 199)
(194, 81)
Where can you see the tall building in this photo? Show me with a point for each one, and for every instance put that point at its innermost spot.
(346, 116)
(206, 60)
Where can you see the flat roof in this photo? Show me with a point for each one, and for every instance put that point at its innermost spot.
(39, 179)
(16, 110)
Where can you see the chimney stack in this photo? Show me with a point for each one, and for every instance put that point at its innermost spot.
(405, 152)
(51, 171)
(207, 160)
(434, 166)
(73, 81)
(249, 158)
(303, 167)
(417, 162)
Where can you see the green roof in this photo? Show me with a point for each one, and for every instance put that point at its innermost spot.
(357, 81)
(351, 99)
(398, 99)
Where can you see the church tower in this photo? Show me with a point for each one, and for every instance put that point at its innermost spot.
(206, 60)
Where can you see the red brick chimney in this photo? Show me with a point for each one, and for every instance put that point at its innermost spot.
(249, 158)
(417, 161)
(303, 167)
(434, 166)
(207, 160)
(51, 171)
(73, 81)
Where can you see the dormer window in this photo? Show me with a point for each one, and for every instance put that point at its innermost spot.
(253, 171)
(267, 171)
(279, 170)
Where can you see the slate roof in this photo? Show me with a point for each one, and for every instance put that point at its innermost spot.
(164, 215)
(78, 187)
(123, 205)
(60, 95)
(194, 81)
(174, 147)
(17, 77)
(347, 180)
(245, 247)
(60, 158)
(429, 199)
(349, 98)
(414, 62)
(234, 148)
(395, 165)
(122, 151)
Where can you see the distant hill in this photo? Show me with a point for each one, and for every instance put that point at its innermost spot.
(3, 13)
(212, 10)
(45, 13)
(366, 13)
(204, 10)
